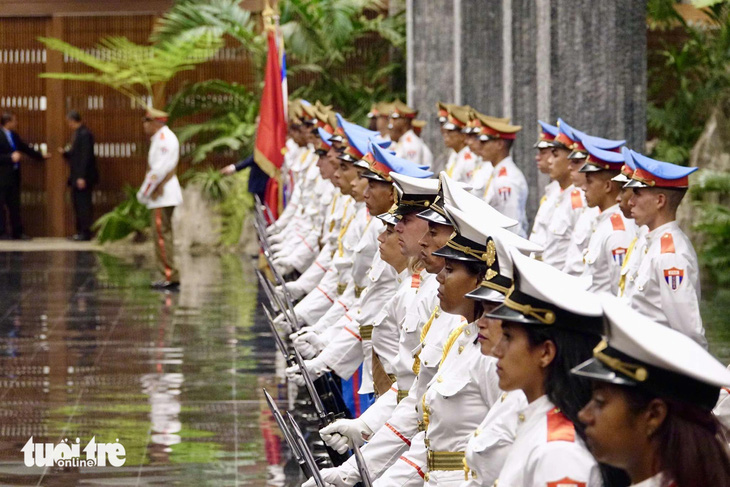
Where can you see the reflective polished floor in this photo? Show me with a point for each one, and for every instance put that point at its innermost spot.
(87, 350)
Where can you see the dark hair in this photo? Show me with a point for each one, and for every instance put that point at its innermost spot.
(567, 391)
(6, 117)
(74, 115)
(478, 270)
(692, 443)
(508, 144)
(674, 196)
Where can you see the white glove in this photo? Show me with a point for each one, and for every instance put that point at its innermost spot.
(272, 229)
(343, 433)
(295, 292)
(282, 323)
(315, 367)
(332, 477)
(277, 247)
(283, 266)
(309, 343)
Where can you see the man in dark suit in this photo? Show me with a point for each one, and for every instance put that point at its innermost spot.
(84, 174)
(11, 148)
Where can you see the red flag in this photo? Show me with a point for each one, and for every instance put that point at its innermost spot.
(271, 137)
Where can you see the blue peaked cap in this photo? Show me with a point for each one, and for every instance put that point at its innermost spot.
(651, 173)
(603, 155)
(547, 128)
(628, 158)
(324, 135)
(598, 142)
(397, 164)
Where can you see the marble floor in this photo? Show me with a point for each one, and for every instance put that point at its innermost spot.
(87, 350)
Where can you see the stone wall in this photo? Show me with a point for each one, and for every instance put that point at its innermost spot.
(581, 60)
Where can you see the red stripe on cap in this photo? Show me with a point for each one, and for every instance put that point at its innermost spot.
(496, 133)
(657, 182)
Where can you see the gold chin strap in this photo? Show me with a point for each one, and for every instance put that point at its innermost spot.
(636, 372)
(543, 315)
(490, 285)
(425, 203)
(478, 254)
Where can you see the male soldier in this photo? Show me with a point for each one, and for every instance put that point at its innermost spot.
(544, 211)
(506, 188)
(584, 226)
(568, 203)
(611, 232)
(664, 282)
(461, 161)
(161, 193)
(407, 144)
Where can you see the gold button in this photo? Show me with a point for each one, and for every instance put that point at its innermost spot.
(426, 477)
(425, 362)
(440, 379)
(521, 417)
(468, 332)
(473, 474)
(477, 432)
(461, 349)
(504, 396)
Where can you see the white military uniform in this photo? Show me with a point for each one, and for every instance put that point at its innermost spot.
(162, 159)
(506, 191)
(568, 206)
(579, 239)
(663, 281)
(411, 147)
(548, 452)
(610, 240)
(544, 212)
(461, 165)
(491, 442)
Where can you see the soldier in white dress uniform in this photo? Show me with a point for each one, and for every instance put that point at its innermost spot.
(407, 144)
(461, 161)
(550, 324)
(663, 281)
(544, 149)
(500, 182)
(612, 233)
(161, 193)
(651, 408)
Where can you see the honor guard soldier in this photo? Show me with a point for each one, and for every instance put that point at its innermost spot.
(663, 283)
(550, 324)
(505, 187)
(583, 229)
(407, 144)
(461, 161)
(611, 232)
(161, 193)
(544, 211)
(568, 204)
(651, 407)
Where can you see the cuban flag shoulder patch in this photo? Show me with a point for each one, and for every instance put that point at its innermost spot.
(619, 254)
(674, 277)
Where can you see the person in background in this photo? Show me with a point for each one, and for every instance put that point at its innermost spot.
(161, 193)
(84, 174)
(257, 178)
(12, 147)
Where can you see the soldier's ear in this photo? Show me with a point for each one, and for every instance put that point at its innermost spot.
(661, 200)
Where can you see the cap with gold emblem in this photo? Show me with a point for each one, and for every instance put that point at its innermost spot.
(398, 109)
(601, 160)
(547, 135)
(157, 115)
(645, 355)
(542, 295)
(627, 170)
(650, 173)
(489, 128)
(414, 194)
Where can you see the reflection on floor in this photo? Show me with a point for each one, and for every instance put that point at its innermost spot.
(87, 350)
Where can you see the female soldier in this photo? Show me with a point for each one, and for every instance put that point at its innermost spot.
(490, 443)
(550, 324)
(651, 410)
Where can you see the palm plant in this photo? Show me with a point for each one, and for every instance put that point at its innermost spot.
(139, 72)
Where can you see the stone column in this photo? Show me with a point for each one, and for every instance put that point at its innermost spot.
(581, 60)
